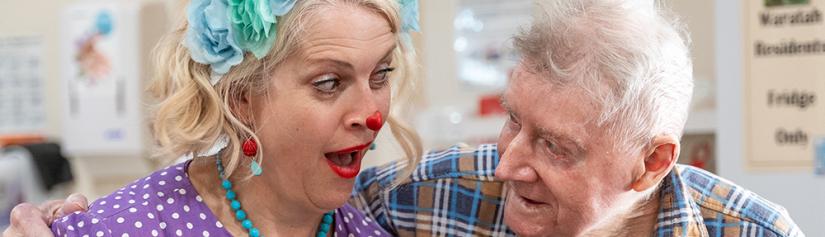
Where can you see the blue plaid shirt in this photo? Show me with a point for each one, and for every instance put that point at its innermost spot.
(454, 193)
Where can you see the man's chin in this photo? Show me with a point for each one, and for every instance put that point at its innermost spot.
(527, 220)
(525, 228)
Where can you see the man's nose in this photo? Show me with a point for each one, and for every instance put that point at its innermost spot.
(515, 162)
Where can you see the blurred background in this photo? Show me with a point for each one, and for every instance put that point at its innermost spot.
(73, 111)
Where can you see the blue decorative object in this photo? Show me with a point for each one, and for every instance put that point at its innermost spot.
(819, 156)
(255, 168)
(254, 25)
(409, 15)
(242, 216)
(247, 224)
(281, 7)
(253, 232)
(103, 23)
(210, 38)
(220, 31)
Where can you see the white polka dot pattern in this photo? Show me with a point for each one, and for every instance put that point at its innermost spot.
(169, 206)
(162, 204)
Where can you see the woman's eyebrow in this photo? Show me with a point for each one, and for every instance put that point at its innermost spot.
(388, 55)
(335, 62)
(344, 64)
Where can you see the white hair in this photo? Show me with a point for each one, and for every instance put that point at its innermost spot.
(630, 57)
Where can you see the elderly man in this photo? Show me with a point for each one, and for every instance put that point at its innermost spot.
(596, 110)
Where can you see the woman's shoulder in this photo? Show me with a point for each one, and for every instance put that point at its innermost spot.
(162, 204)
(349, 220)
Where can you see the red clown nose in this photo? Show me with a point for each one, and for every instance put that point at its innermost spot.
(374, 121)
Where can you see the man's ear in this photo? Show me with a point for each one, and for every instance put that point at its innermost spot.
(659, 160)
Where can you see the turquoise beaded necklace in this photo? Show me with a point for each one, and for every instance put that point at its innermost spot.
(240, 214)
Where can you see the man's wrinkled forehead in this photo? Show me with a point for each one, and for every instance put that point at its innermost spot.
(551, 110)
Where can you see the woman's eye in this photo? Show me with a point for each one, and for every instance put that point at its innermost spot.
(327, 84)
(380, 78)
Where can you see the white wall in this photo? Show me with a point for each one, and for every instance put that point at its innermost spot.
(94, 175)
(802, 193)
(440, 88)
(41, 18)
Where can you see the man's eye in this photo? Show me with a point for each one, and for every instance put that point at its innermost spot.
(557, 152)
(551, 146)
(328, 84)
(513, 119)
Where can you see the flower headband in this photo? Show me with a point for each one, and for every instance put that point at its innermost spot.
(221, 31)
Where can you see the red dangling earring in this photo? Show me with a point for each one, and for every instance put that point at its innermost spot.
(250, 148)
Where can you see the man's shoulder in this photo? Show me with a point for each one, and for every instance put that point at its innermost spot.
(456, 162)
(451, 192)
(726, 206)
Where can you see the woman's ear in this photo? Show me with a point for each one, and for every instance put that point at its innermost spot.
(658, 162)
(241, 106)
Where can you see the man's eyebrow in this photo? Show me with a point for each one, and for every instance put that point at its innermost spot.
(503, 102)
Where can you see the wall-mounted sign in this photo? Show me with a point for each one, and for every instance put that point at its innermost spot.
(784, 82)
(22, 109)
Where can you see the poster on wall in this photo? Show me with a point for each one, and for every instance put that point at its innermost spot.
(784, 80)
(99, 70)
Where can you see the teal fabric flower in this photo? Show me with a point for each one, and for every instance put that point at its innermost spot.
(409, 15)
(209, 36)
(220, 31)
(281, 7)
(255, 23)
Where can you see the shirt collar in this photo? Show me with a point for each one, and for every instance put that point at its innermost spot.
(679, 215)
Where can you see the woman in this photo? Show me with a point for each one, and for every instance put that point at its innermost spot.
(277, 101)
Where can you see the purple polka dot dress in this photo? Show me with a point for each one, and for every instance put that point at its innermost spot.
(166, 204)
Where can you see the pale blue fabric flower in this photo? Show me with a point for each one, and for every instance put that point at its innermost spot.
(220, 31)
(409, 15)
(209, 37)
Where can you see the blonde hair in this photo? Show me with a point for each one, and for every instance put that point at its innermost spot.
(192, 114)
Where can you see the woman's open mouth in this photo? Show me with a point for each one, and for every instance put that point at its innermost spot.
(346, 163)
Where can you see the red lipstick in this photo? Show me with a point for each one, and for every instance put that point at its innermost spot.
(346, 163)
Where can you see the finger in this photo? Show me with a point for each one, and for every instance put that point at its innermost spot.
(10, 232)
(49, 210)
(75, 202)
(27, 220)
